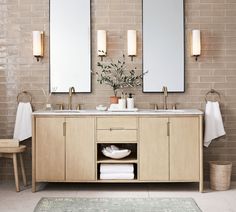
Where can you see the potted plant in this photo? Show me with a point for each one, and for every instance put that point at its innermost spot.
(117, 76)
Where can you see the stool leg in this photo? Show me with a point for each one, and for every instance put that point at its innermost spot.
(16, 172)
(23, 170)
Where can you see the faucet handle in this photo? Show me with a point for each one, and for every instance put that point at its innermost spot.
(165, 90)
(155, 105)
(79, 106)
(174, 106)
(61, 106)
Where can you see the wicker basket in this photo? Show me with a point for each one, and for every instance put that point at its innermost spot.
(220, 175)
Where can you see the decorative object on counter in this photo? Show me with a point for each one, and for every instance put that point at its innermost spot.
(130, 101)
(196, 43)
(117, 76)
(47, 96)
(101, 108)
(116, 108)
(214, 126)
(114, 152)
(122, 101)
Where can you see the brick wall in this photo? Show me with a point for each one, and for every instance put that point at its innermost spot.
(216, 67)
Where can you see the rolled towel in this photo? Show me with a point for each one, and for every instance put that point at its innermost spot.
(117, 176)
(116, 168)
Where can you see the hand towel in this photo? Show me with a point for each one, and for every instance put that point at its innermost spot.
(117, 176)
(214, 127)
(116, 168)
(23, 124)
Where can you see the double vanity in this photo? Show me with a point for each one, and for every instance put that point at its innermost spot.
(166, 145)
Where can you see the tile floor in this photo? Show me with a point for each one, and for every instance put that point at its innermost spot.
(25, 201)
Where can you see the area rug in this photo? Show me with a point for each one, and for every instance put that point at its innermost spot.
(65, 204)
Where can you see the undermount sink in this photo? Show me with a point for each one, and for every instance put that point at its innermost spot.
(170, 111)
(67, 111)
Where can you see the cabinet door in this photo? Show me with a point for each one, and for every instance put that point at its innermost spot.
(80, 151)
(184, 149)
(50, 149)
(154, 149)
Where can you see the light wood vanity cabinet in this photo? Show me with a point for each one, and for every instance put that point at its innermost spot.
(169, 149)
(49, 149)
(80, 149)
(166, 148)
(63, 149)
(184, 149)
(154, 149)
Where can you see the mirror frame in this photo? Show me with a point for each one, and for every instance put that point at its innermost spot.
(184, 53)
(49, 50)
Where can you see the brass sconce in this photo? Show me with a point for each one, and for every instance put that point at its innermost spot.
(38, 38)
(196, 43)
(101, 43)
(132, 43)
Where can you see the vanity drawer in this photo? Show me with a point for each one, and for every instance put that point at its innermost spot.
(117, 123)
(116, 135)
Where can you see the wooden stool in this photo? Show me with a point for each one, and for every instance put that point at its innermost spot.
(11, 152)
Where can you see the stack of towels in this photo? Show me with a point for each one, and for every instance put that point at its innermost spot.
(117, 171)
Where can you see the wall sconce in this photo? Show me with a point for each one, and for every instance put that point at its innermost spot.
(132, 43)
(196, 43)
(101, 43)
(38, 37)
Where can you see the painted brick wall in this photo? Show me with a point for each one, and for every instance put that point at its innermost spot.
(216, 67)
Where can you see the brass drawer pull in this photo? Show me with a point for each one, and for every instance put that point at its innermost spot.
(116, 128)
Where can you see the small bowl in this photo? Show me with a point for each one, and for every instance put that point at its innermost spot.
(116, 154)
(101, 108)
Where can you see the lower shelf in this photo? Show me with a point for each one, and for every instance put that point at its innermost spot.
(135, 173)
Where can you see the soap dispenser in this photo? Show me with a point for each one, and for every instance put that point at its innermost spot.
(130, 101)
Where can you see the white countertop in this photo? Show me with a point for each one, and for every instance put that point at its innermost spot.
(102, 113)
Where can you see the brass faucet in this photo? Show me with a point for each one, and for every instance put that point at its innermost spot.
(71, 91)
(165, 94)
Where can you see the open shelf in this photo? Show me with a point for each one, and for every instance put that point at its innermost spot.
(119, 180)
(132, 158)
(129, 159)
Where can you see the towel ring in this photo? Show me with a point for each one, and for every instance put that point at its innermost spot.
(24, 94)
(212, 91)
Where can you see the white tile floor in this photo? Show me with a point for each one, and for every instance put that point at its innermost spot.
(25, 201)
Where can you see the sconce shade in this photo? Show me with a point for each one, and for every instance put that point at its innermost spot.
(196, 43)
(101, 43)
(132, 43)
(38, 44)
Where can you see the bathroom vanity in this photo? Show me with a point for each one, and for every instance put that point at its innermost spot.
(166, 145)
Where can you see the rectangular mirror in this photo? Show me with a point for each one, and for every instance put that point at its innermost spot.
(163, 45)
(70, 51)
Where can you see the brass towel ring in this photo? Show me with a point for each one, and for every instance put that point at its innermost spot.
(23, 94)
(212, 91)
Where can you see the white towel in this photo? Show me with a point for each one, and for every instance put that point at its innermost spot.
(117, 176)
(214, 127)
(23, 124)
(116, 168)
